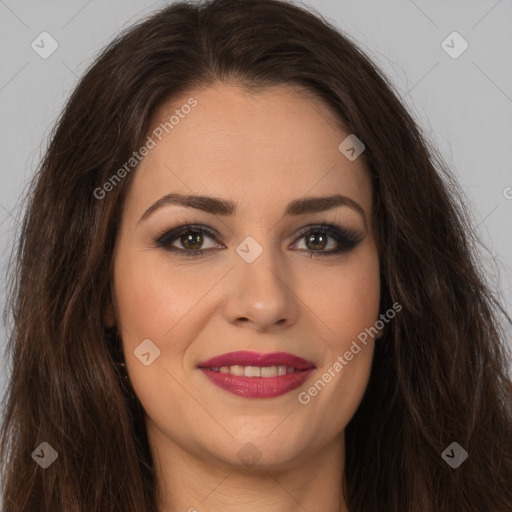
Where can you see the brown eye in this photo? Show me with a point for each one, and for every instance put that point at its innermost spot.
(316, 241)
(192, 240)
(188, 240)
(318, 238)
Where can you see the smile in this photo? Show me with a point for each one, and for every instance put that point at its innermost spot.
(255, 371)
(255, 375)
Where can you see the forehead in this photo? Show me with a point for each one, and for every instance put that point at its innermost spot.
(260, 149)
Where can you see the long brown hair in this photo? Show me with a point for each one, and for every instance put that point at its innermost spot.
(440, 372)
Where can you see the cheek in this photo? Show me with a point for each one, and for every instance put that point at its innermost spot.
(159, 301)
(152, 304)
(346, 304)
(152, 297)
(346, 299)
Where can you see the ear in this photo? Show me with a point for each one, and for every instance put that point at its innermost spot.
(381, 333)
(109, 312)
(109, 317)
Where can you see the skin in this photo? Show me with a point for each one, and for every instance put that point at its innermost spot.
(262, 151)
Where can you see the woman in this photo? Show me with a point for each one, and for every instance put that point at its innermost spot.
(233, 292)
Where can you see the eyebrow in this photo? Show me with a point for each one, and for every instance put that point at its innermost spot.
(226, 207)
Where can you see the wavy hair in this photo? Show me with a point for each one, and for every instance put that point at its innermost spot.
(441, 372)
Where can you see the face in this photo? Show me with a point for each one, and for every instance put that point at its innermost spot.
(262, 275)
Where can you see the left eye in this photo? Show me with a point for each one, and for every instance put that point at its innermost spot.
(192, 238)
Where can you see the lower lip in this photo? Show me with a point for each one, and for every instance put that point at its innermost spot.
(257, 387)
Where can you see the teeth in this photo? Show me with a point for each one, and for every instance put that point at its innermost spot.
(237, 370)
(269, 371)
(255, 371)
(252, 371)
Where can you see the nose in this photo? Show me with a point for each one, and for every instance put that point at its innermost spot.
(261, 293)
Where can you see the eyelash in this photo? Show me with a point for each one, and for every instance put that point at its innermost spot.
(346, 238)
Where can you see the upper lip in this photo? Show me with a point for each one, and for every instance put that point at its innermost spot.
(244, 358)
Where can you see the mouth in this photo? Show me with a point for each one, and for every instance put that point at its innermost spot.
(255, 375)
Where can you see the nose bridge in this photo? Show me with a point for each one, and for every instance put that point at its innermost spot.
(260, 262)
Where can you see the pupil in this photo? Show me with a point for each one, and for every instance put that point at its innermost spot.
(190, 237)
(316, 237)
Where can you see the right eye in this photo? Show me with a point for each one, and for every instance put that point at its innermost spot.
(189, 236)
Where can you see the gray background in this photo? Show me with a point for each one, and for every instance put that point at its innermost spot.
(464, 104)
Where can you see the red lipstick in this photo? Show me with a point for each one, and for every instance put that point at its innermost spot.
(257, 375)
